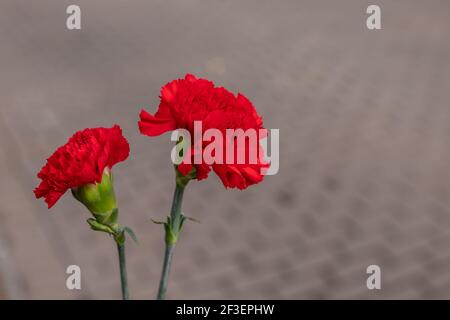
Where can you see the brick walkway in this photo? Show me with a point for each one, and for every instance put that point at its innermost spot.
(365, 158)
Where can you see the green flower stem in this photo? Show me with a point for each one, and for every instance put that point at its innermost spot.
(165, 273)
(173, 227)
(123, 271)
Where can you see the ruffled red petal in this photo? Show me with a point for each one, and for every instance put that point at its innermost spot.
(184, 101)
(80, 161)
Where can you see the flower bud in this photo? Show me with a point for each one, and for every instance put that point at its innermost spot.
(100, 199)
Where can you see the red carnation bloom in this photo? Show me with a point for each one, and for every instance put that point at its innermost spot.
(80, 161)
(190, 99)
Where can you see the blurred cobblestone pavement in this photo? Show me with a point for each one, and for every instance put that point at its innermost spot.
(365, 159)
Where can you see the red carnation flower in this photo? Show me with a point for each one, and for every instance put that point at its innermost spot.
(82, 160)
(190, 99)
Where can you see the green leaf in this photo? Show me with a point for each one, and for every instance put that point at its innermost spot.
(193, 219)
(157, 222)
(95, 225)
(131, 234)
(185, 217)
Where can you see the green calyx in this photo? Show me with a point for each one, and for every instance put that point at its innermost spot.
(100, 200)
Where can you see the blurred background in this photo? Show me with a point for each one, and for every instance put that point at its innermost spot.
(364, 147)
